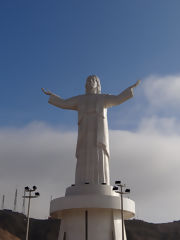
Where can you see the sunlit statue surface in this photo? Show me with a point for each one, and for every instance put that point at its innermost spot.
(92, 150)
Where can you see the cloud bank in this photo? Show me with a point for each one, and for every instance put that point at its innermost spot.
(43, 156)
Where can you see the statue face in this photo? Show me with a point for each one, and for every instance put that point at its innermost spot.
(91, 84)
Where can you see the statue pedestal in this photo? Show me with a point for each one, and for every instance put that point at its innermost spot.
(91, 212)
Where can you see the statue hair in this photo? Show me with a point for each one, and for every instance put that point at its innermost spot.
(98, 90)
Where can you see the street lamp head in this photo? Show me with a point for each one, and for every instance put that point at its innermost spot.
(37, 194)
(118, 182)
(127, 190)
(34, 188)
(26, 189)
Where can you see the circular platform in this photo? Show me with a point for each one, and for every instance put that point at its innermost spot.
(85, 197)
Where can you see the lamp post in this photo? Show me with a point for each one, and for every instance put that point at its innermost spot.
(118, 185)
(36, 194)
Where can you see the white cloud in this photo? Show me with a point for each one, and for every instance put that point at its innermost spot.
(148, 161)
(36, 155)
(162, 92)
(155, 98)
(160, 125)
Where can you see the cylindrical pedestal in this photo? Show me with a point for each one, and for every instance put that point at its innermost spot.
(91, 212)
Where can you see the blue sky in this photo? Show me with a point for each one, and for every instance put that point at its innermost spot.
(56, 45)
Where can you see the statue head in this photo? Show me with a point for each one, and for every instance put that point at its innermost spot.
(93, 84)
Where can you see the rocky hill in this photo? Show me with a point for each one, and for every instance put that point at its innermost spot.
(140, 230)
(15, 224)
(13, 227)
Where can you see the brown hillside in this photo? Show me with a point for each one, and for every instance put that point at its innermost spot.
(14, 224)
(140, 230)
(5, 235)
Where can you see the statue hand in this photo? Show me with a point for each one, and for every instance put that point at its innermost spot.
(46, 92)
(136, 84)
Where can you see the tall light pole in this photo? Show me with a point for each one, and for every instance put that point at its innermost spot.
(118, 185)
(36, 194)
(23, 205)
(3, 200)
(15, 201)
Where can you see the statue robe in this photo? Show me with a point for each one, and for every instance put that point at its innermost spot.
(92, 150)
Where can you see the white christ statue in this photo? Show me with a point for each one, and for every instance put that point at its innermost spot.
(92, 150)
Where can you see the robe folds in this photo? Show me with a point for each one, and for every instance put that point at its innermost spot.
(92, 150)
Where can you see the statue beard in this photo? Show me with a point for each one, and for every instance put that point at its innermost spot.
(91, 90)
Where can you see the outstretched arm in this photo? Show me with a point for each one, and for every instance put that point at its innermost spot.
(113, 100)
(70, 103)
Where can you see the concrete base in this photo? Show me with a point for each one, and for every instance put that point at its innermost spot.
(91, 212)
(91, 224)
